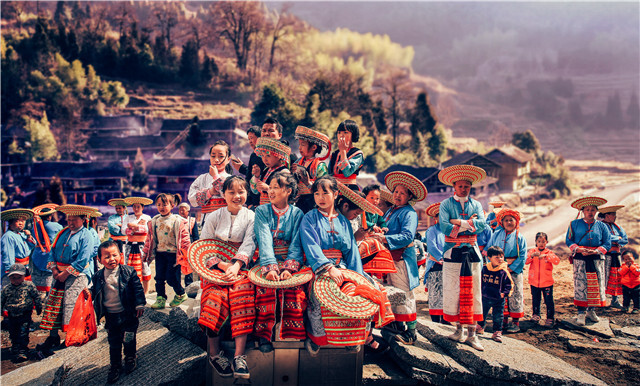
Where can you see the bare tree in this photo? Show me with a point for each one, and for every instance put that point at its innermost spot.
(239, 23)
(167, 15)
(395, 90)
(122, 16)
(283, 23)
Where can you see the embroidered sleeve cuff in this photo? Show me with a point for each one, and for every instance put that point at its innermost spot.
(51, 265)
(601, 250)
(202, 197)
(217, 185)
(323, 269)
(473, 227)
(73, 271)
(270, 267)
(454, 232)
(342, 164)
(573, 247)
(291, 265)
(212, 262)
(242, 258)
(466, 225)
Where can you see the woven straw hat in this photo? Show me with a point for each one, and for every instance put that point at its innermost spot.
(95, 214)
(16, 214)
(76, 210)
(361, 202)
(497, 204)
(387, 196)
(201, 250)
(610, 209)
(299, 278)
(580, 203)
(117, 202)
(338, 302)
(45, 209)
(452, 174)
(272, 146)
(405, 179)
(138, 200)
(433, 210)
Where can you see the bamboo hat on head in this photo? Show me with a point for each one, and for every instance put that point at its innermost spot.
(610, 209)
(433, 210)
(76, 210)
(582, 202)
(138, 200)
(16, 214)
(45, 209)
(415, 186)
(314, 137)
(117, 202)
(386, 196)
(453, 174)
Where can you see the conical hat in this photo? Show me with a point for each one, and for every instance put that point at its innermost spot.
(415, 186)
(299, 278)
(329, 294)
(76, 210)
(452, 174)
(201, 250)
(117, 202)
(497, 204)
(610, 209)
(387, 196)
(433, 210)
(95, 214)
(580, 203)
(16, 214)
(45, 209)
(138, 200)
(361, 202)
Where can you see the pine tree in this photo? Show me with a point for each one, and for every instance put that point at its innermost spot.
(423, 119)
(526, 141)
(189, 64)
(437, 144)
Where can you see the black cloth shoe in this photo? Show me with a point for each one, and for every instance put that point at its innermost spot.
(407, 337)
(114, 375)
(265, 345)
(221, 364)
(129, 365)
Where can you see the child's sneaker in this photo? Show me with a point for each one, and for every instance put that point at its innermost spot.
(513, 328)
(221, 364)
(549, 323)
(129, 365)
(535, 318)
(240, 368)
(160, 303)
(591, 315)
(497, 336)
(177, 300)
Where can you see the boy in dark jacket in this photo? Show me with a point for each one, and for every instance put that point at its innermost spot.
(496, 285)
(118, 296)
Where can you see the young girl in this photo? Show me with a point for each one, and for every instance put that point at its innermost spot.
(277, 230)
(328, 242)
(346, 162)
(233, 225)
(136, 229)
(275, 156)
(311, 143)
(92, 224)
(542, 261)
(514, 245)
(167, 242)
(205, 190)
(630, 279)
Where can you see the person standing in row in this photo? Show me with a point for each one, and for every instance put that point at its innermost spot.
(16, 243)
(434, 239)
(115, 222)
(136, 228)
(612, 263)
(45, 231)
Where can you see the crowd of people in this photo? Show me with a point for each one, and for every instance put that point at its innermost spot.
(293, 248)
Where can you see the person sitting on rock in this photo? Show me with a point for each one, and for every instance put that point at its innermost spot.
(118, 295)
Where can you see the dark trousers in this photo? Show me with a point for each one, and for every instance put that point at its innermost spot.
(547, 293)
(188, 279)
(121, 331)
(167, 271)
(629, 294)
(498, 310)
(19, 332)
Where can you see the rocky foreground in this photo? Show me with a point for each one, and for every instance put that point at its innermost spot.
(171, 351)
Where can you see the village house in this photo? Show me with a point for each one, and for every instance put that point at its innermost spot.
(515, 166)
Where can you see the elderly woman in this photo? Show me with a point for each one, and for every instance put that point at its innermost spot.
(402, 223)
(589, 240)
(514, 245)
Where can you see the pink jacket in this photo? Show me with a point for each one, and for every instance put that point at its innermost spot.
(541, 270)
(183, 241)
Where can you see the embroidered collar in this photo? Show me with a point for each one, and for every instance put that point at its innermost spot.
(460, 199)
(279, 212)
(325, 214)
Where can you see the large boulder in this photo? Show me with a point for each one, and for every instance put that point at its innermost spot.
(512, 361)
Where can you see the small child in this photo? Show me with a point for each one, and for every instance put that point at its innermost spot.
(310, 166)
(496, 285)
(18, 299)
(118, 295)
(346, 162)
(630, 279)
(167, 242)
(542, 261)
(275, 156)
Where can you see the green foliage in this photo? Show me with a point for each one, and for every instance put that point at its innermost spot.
(43, 143)
(274, 104)
(526, 141)
(423, 119)
(189, 64)
(437, 144)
